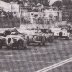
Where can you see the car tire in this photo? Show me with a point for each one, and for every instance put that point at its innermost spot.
(20, 44)
(15, 45)
(43, 44)
(39, 44)
(9, 47)
(50, 39)
(67, 38)
(25, 44)
(60, 34)
(0, 44)
(28, 40)
(43, 40)
(56, 37)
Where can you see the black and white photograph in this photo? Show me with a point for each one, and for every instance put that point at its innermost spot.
(35, 35)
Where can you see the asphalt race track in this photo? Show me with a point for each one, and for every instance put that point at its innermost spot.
(35, 57)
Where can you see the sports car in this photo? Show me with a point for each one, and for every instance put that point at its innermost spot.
(16, 40)
(60, 33)
(39, 36)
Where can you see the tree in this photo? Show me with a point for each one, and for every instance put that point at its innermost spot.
(58, 4)
(7, 0)
(67, 2)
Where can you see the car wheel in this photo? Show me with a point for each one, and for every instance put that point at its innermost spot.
(67, 38)
(0, 44)
(15, 45)
(9, 47)
(50, 39)
(20, 44)
(28, 40)
(55, 37)
(39, 44)
(25, 44)
(28, 43)
(60, 34)
(43, 44)
(43, 40)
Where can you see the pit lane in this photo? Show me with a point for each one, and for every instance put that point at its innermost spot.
(35, 57)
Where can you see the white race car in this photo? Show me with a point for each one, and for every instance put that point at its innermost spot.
(60, 33)
(16, 40)
(12, 38)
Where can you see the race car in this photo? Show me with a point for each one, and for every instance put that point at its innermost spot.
(16, 40)
(48, 35)
(13, 39)
(60, 33)
(36, 39)
(39, 37)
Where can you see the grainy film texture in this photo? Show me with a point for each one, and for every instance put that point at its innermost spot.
(35, 35)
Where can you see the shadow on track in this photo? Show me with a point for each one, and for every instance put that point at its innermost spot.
(28, 48)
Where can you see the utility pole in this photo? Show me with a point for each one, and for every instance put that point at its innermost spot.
(20, 14)
(20, 3)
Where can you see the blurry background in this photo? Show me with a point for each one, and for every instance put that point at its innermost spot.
(13, 13)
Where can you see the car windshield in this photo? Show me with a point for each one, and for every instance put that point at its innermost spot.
(45, 31)
(7, 32)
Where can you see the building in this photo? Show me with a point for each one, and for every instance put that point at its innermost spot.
(10, 7)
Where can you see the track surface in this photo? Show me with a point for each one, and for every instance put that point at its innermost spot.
(37, 57)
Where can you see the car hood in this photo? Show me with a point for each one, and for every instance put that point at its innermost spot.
(14, 36)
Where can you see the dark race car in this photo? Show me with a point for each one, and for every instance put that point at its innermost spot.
(39, 36)
(36, 39)
(48, 34)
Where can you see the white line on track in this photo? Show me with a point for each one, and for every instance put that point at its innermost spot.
(46, 69)
(8, 60)
(9, 55)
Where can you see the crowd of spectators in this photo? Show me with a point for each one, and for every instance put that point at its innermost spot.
(8, 20)
(30, 6)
